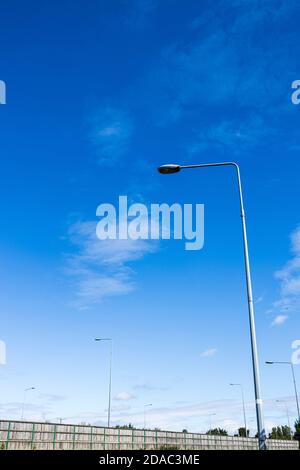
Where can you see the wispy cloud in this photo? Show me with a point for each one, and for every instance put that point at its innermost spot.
(246, 15)
(140, 12)
(289, 280)
(120, 408)
(36, 412)
(51, 397)
(124, 396)
(257, 12)
(209, 352)
(147, 387)
(259, 299)
(101, 268)
(220, 73)
(279, 320)
(194, 417)
(110, 133)
(234, 136)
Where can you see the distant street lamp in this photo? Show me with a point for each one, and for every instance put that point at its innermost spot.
(110, 371)
(24, 400)
(294, 381)
(61, 420)
(287, 414)
(172, 168)
(243, 401)
(146, 406)
(210, 421)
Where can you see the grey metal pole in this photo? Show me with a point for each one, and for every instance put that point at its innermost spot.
(288, 418)
(110, 379)
(23, 405)
(210, 421)
(294, 381)
(255, 364)
(145, 406)
(244, 409)
(287, 414)
(109, 393)
(24, 400)
(296, 392)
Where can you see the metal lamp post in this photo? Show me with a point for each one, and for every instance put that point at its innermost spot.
(244, 409)
(110, 373)
(294, 381)
(172, 168)
(287, 414)
(24, 400)
(210, 421)
(145, 406)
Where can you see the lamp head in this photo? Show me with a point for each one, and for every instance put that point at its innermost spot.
(168, 169)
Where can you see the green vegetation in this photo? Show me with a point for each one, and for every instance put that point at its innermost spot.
(242, 433)
(297, 432)
(281, 432)
(166, 447)
(125, 426)
(217, 432)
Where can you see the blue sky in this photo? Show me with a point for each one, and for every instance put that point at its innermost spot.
(98, 96)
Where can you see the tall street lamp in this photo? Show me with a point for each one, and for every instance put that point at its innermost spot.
(24, 400)
(61, 420)
(294, 380)
(172, 168)
(244, 409)
(210, 421)
(146, 406)
(110, 369)
(287, 414)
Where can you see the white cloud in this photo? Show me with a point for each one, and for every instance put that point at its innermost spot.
(192, 416)
(140, 13)
(147, 387)
(100, 268)
(289, 279)
(195, 417)
(51, 397)
(110, 133)
(12, 410)
(235, 136)
(2, 353)
(259, 299)
(209, 352)
(120, 408)
(220, 68)
(124, 396)
(279, 320)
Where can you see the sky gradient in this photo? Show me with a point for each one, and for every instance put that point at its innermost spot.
(99, 95)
